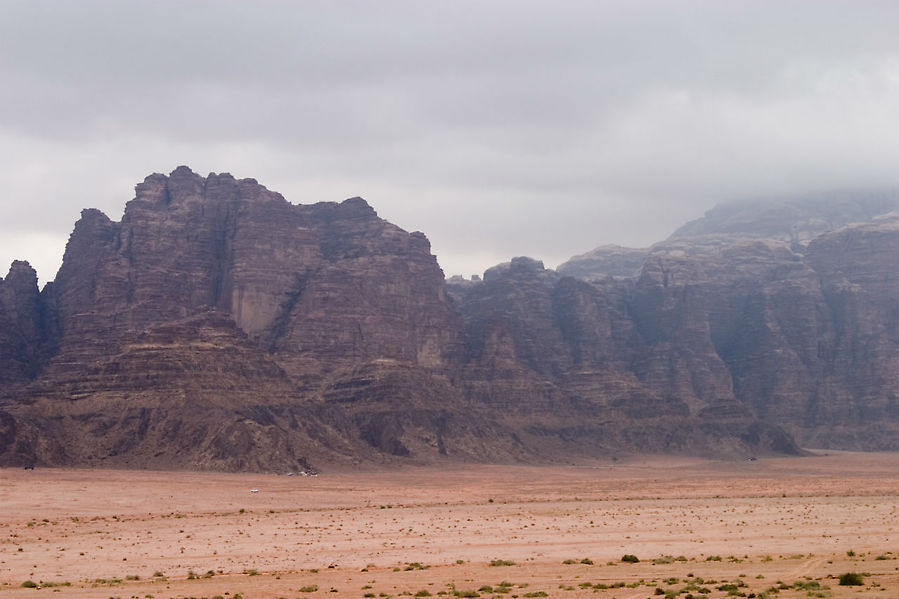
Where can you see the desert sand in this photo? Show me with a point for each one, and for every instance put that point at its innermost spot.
(784, 527)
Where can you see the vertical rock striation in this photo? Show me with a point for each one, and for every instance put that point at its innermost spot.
(217, 326)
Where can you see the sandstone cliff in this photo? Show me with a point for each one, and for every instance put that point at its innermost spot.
(798, 328)
(218, 326)
(209, 327)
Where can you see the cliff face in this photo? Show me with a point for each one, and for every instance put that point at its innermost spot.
(317, 286)
(22, 327)
(219, 314)
(218, 326)
(803, 336)
(568, 366)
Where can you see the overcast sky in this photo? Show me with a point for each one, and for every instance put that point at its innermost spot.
(497, 128)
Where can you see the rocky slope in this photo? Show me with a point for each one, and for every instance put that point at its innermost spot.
(217, 326)
(800, 329)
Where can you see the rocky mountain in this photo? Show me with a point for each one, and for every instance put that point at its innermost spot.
(794, 220)
(796, 308)
(218, 326)
(605, 261)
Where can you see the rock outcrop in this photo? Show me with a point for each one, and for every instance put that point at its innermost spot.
(605, 261)
(570, 368)
(217, 326)
(22, 326)
(205, 329)
(797, 328)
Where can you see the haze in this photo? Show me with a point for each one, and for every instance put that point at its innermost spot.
(499, 129)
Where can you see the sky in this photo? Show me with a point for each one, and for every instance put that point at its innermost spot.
(498, 128)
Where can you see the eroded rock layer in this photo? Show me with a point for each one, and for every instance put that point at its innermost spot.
(217, 326)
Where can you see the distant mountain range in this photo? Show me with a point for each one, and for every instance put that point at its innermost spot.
(219, 327)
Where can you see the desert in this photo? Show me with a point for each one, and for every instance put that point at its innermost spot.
(783, 526)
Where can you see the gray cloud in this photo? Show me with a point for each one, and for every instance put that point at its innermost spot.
(498, 128)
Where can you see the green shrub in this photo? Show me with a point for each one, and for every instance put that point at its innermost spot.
(29, 584)
(850, 579)
(502, 562)
(629, 558)
(309, 589)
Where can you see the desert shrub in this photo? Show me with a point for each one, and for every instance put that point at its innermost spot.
(502, 562)
(808, 585)
(309, 589)
(423, 593)
(536, 594)
(466, 593)
(850, 579)
(416, 566)
(731, 586)
(629, 558)
(587, 561)
(29, 584)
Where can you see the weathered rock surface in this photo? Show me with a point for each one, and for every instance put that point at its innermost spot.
(568, 367)
(785, 309)
(217, 326)
(22, 326)
(605, 261)
(201, 329)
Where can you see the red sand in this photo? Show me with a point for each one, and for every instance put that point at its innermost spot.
(781, 519)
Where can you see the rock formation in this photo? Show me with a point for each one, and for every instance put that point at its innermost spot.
(217, 326)
(800, 329)
(210, 326)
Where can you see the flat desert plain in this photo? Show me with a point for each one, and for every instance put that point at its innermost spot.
(776, 527)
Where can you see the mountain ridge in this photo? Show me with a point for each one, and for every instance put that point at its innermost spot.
(217, 326)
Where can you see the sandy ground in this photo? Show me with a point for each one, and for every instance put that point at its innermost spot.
(715, 527)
